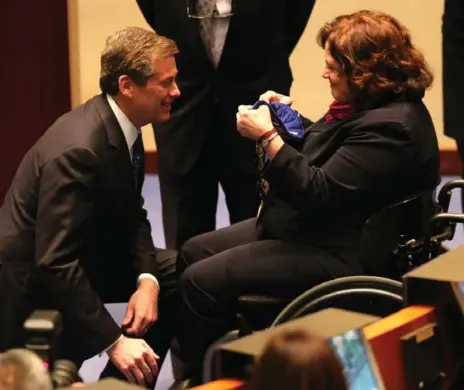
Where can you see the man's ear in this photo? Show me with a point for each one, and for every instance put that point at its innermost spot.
(125, 86)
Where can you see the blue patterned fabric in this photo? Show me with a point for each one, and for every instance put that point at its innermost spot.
(288, 121)
(289, 126)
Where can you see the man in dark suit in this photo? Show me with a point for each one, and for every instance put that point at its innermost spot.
(230, 51)
(73, 230)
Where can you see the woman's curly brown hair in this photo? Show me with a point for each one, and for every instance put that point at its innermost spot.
(375, 52)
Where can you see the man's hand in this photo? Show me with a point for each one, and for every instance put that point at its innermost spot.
(142, 309)
(135, 359)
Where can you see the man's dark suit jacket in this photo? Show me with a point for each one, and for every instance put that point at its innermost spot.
(344, 171)
(261, 36)
(73, 233)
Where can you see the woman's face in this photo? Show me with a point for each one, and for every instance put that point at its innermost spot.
(337, 80)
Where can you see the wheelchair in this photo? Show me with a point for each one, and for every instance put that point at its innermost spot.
(394, 241)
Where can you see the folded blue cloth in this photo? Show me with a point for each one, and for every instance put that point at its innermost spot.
(289, 126)
(287, 121)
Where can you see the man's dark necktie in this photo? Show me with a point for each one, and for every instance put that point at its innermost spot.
(138, 161)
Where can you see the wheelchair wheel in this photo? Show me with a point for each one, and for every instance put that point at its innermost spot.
(365, 294)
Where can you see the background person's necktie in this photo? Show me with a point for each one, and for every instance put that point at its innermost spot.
(207, 8)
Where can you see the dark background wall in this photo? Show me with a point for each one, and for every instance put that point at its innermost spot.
(34, 76)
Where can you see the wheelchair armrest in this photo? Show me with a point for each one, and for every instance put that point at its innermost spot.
(443, 225)
(444, 196)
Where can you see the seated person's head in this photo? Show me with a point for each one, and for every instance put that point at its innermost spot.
(21, 369)
(297, 360)
(370, 55)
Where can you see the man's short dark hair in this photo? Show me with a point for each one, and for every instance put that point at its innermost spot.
(129, 52)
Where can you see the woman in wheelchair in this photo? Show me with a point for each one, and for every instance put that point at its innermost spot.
(376, 145)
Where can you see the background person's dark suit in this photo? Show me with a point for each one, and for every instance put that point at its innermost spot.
(200, 146)
(453, 73)
(309, 230)
(73, 234)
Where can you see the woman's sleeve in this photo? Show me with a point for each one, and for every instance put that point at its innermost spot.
(370, 154)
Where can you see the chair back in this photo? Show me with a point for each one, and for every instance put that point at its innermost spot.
(393, 240)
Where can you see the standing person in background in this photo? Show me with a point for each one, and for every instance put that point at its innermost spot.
(230, 51)
(453, 74)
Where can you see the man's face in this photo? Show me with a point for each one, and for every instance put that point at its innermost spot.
(152, 102)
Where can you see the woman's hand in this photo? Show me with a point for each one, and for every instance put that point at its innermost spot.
(253, 123)
(271, 97)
